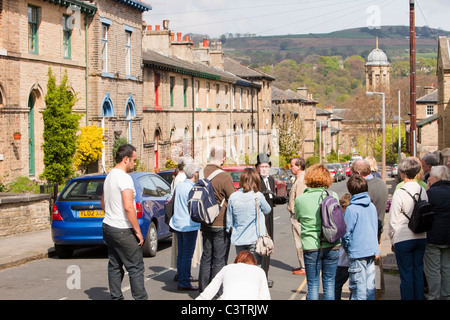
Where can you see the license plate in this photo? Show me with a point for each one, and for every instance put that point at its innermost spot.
(92, 214)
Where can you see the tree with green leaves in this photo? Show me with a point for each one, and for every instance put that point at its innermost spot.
(60, 129)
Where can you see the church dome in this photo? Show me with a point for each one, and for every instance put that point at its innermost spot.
(377, 58)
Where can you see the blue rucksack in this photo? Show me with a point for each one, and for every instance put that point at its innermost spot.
(202, 203)
(332, 215)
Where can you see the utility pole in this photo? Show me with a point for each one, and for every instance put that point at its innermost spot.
(412, 53)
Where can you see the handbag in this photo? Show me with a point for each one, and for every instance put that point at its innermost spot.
(264, 244)
(168, 209)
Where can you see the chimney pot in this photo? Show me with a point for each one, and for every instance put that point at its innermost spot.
(179, 36)
(149, 27)
(205, 43)
(157, 27)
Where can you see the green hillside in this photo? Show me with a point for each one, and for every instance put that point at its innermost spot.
(394, 40)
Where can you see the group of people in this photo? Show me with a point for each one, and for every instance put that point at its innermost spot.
(244, 215)
(423, 259)
(354, 257)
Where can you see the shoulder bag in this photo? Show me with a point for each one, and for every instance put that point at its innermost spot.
(264, 244)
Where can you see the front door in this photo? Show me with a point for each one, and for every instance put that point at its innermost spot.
(31, 155)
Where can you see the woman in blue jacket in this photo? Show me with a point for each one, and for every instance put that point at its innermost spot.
(361, 240)
(241, 213)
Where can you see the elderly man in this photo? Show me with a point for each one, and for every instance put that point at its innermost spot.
(263, 165)
(429, 160)
(216, 241)
(378, 191)
(297, 169)
(186, 230)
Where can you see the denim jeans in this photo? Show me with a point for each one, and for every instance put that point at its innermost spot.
(325, 261)
(409, 255)
(362, 278)
(252, 249)
(124, 250)
(186, 247)
(216, 246)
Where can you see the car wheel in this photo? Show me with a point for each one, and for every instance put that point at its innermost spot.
(63, 251)
(150, 245)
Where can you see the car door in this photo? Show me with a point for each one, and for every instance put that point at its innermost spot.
(155, 193)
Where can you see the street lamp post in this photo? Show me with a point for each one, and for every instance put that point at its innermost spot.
(383, 134)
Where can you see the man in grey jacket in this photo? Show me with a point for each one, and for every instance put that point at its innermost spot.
(298, 169)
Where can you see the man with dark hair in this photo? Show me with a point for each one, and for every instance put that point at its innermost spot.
(428, 161)
(298, 169)
(121, 232)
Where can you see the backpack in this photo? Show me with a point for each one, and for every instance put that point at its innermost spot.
(421, 217)
(202, 203)
(333, 225)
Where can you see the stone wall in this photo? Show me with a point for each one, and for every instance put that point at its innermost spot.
(21, 213)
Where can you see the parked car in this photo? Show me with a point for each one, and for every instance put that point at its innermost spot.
(394, 172)
(235, 172)
(347, 168)
(77, 215)
(340, 172)
(280, 183)
(332, 169)
(167, 175)
(283, 175)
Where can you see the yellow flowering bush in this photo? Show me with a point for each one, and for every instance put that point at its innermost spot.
(89, 145)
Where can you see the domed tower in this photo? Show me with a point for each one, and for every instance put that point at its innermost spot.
(377, 71)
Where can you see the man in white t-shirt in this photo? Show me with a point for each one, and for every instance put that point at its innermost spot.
(121, 232)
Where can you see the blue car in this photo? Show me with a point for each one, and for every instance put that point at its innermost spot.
(77, 215)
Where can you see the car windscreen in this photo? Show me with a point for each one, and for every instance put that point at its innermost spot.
(153, 186)
(80, 190)
(235, 175)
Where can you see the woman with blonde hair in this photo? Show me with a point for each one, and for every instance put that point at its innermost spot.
(242, 212)
(319, 256)
(373, 166)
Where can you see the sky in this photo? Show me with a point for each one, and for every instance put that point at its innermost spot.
(281, 17)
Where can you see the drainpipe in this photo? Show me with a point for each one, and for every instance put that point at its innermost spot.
(193, 113)
(87, 63)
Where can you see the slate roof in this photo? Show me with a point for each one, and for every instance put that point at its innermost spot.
(279, 95)
(432, 97)
(158, 60)
(235, 67)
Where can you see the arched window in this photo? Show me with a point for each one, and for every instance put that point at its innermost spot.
(107, 107)
(130, 113)
(1, 97)
(107, 111)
